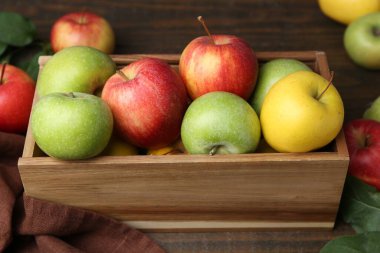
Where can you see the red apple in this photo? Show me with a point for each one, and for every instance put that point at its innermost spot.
(363, 142)
(82, 29)
(148, 100)
(225, 63)
(16, 97)
(219, 63)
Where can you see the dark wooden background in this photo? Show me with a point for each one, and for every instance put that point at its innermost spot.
(280, 25)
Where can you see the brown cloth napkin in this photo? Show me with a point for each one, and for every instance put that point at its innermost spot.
(32, 225)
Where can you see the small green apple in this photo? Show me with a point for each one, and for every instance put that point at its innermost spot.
(373, 112)
(75, 69)
(220, 123)
(269, 74)
(301, 113)
(71, 125)
(362, 41)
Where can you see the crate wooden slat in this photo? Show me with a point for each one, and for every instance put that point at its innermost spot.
(199, 192)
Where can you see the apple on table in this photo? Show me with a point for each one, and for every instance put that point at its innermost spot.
(218, 63)
(148, 100)
(82, 29)
(301, 112)
(362, 41)
(373, 112)
(16, 98)
(345, 11)
(363, 143)
(72, 125)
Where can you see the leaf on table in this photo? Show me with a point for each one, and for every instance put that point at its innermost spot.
(360, 243)
(361, 206)
(16, 30)
(3, 47)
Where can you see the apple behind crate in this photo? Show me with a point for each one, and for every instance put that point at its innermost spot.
(199, 192)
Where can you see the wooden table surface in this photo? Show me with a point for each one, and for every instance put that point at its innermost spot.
(282, 25)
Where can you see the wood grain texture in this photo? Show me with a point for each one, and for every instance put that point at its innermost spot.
(166, 26)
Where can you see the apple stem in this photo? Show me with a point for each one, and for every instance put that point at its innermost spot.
(214, 150)
(71, 94)
(124, 76)
(330, 82)
(2, 72)
(200, 19)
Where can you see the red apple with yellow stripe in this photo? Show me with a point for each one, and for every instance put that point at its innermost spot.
(148, 100)
(218, 63)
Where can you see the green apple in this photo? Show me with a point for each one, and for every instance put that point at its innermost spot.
(362, 41)
(301, 113)
(71, 125)
(373, 112)
(269, 74)
(220, 123)
(75, 69)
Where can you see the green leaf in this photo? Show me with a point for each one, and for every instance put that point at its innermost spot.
(361, 206)
(15, 29)
(3, 47)
(361, 243)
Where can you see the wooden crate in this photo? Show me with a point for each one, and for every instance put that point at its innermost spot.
(199, 192)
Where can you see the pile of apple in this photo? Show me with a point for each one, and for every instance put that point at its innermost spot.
(149, 105)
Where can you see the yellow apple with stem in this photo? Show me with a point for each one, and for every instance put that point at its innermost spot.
(301, 112)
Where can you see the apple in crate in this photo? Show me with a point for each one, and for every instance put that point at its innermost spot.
(118, 147)
(75, 69)
(71, 126)
(301, 112)
(362, 41)
(82, 29)
(220, 123)
(16, 98)
(148, 100)
(269, 74)
(218, 63)
(363, 143)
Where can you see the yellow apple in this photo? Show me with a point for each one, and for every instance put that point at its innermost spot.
(118, 147)
(346, 11)
(299, 114)
(173, 149)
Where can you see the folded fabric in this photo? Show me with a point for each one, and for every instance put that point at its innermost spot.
(32, 225)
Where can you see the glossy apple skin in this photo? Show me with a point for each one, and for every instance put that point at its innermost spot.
(229, 65)
(294, 120)
(362, 43)
(363, 143)
(75, 69)
(373, 112)
(149, 107)
(16, 98)
(82, 29)
(269, 74)
(220, 121)
(71, 126)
